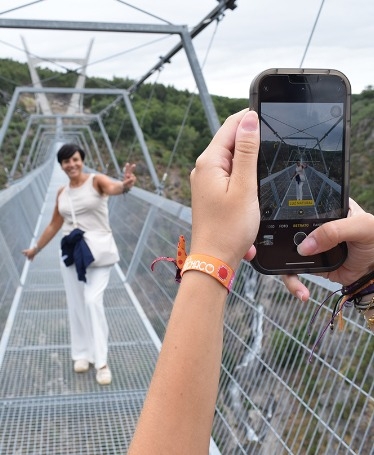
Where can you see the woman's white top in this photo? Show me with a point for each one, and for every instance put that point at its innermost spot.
(90, 207)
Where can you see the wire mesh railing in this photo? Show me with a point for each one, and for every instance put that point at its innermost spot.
(271, 399)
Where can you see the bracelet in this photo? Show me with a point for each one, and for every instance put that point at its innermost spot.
(200, 262)
(361, 306)
(351, 294)
(36, 248)
(211, 266)
(370, 322)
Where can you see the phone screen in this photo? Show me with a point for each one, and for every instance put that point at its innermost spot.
(302, 167)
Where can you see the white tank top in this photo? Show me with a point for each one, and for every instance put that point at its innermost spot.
(90, 207)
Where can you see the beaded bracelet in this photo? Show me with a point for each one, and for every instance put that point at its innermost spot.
(211, 266)
(350, 294)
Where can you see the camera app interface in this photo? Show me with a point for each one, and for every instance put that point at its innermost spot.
(301, 163)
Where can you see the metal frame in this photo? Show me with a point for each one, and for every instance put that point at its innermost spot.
(180, 30)
(125, 96)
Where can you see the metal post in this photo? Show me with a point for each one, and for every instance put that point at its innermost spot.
(141, 244)
(20, 148)
(143, 145)
(109, 146)
(210, 111)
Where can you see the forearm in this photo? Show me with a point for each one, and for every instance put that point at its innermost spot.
(179, 409)
(110, 187)
(46, 236)
(118, 188)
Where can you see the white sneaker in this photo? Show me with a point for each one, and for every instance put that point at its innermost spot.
(104, 376)
(81, 366)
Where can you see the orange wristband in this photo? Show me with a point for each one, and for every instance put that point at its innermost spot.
(211, 266)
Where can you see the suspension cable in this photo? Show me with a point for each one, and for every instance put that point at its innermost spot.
(311, 34)
(188, 108)
(145, 111)
(20, 7)
(145, 12)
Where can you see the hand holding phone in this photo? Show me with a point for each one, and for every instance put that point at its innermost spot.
(303, 164)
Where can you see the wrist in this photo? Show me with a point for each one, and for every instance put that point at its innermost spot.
(203, 287)
(210, 265)
(217, 250)
(125, 188)
(36, 248)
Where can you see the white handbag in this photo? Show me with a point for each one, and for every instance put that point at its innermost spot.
(101, 243)
(103, 248)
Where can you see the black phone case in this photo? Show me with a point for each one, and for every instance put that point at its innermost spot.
(254, 102)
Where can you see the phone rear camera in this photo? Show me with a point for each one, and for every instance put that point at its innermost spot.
(336, 111)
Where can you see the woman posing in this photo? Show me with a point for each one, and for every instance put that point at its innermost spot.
(82, 206)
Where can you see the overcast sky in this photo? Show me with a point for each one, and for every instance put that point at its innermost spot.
(304, 124)
(258, 34)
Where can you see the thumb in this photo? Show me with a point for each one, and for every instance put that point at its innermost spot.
(247, 142)
(334, 232)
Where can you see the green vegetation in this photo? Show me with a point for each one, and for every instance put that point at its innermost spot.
(362, 149)
(161, 111)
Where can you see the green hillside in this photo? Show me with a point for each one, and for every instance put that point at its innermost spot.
(174, 127)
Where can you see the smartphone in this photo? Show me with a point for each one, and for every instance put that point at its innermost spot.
(303, 164)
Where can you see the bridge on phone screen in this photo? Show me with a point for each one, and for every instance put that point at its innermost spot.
(283, 197)
(271, 398)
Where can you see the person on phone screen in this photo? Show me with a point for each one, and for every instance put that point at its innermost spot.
(178, 412)
(83, 204)
(299, 176)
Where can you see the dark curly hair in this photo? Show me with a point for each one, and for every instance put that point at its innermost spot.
(68, 150)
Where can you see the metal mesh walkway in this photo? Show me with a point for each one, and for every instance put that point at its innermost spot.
(45, 407)
(271, 399)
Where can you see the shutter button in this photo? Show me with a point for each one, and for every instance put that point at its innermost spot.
(299, 237)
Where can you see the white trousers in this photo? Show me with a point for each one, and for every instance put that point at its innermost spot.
(299, 191)
(88, 324)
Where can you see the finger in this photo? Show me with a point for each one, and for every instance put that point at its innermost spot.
(225, 136)
(331, 234)
(247, 142)
(128, 168)
(354, 208)
(220, 151)
(250, 254)
(296, 287)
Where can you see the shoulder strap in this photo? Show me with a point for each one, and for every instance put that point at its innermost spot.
(71, 207)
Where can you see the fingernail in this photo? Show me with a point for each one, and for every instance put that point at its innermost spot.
(299, 295)
(250, 121)
(307, 246)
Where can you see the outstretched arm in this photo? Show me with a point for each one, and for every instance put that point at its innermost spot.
(47, 235)
(178, 412)
(106, 185)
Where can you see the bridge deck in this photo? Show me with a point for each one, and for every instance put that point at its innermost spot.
(270, 398)
(45, 407)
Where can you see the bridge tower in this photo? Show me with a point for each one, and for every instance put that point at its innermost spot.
(75, 105)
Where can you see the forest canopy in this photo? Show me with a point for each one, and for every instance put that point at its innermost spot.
(174, 127)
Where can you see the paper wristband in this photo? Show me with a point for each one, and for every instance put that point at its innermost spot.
(211, 266)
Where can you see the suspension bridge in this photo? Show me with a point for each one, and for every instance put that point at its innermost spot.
(271, 399)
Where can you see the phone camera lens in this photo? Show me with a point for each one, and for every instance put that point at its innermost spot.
(336, 111)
